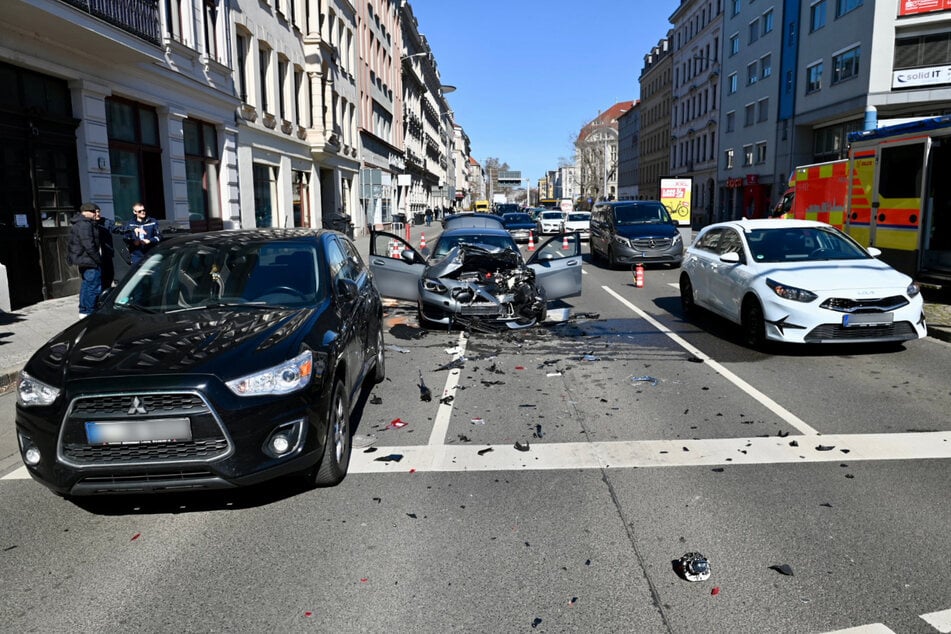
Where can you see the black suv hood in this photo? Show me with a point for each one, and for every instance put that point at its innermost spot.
(647, 230)
(225, 342)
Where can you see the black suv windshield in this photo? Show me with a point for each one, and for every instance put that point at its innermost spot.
(640, 213)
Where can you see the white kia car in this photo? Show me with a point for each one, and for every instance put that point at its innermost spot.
(799, 281)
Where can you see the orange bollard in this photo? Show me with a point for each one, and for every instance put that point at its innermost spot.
(422, 241)
(564, 242)
(395, 250)
(639, 275)
(531, 240)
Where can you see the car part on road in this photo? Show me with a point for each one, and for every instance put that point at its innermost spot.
(694, 567)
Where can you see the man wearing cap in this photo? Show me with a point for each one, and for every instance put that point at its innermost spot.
(83, 252)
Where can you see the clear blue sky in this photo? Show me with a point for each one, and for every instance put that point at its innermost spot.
(530, 73)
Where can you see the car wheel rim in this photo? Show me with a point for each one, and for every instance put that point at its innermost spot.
(379, 349)
(686, 295)
(339, 437)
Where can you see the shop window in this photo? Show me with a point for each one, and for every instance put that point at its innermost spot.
(134, 158)
(201, 174)
(264, 187)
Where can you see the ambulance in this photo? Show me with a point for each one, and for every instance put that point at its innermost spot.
(892, 193)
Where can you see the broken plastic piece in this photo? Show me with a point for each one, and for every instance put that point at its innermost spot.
(376, 400)
(482, 452)
(785, 569)
(522, 447)
(459, 362)
(694, 567)
(446, 400)
(393, 457)
(478, 420)
(644, 379)
(538, 431)
(825, 447)
(590, 357)
(397, 423)
(395, 348)
(715, 590)
(553, 374)
(536, 622)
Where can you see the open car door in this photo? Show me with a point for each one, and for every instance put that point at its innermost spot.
(396, 266)
(557, 266)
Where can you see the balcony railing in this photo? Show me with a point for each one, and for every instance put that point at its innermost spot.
(138, 17)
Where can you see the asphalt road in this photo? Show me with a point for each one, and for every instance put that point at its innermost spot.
(647, 436)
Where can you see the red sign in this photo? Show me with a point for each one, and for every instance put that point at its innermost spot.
(752, 179)
(733, 183)
(912, 7)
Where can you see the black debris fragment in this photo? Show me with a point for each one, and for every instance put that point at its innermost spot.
(784, 569)
(536, 622)
(695, 360)
(369, 450)
(521, 446)
(393, 457)
(783, 434)
(412, 515)
(538, 431)
(825, 447)
(378, 500)
(482, 452)
(587, 562)
(376, 400)
(491, 383)
(793, 443)
(826, 504)
(844, 450)
(464, 438)
(455, 364)
(446, 400)
(424, 392)
(717, 469)
(849, 476)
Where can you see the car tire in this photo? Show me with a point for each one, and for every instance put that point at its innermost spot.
(753, 324)
(687, 304)
(379, 370)
(612, 261)
(336, 457)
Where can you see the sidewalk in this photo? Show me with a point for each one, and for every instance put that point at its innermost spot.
(23, 331)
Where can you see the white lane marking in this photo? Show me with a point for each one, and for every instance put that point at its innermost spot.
(726, 452)
(441, 423)
(940, 621)
(872, 628)
(19, 474)
(766, 401)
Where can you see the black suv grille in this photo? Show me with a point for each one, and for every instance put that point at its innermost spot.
(651, 244)
(208, 438)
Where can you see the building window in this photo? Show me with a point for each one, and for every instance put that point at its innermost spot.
(747, 155)
(845, 65)
(754, 30)
(761, 153)
(845, 6)
(264, 188)
(211, 28)
(737, 7)
(298, 95)
(241, 43)
(264, 60)
(817, 16)
(766, 66)
(749, 114)
(733, 84)
(813, 78)
(762, 108)
(201, 171)
(173, 15)
(282, 87)
(925, 50)
(752, 73)
(767, 22)
(730, 121)
(135, 158)
(734, 44)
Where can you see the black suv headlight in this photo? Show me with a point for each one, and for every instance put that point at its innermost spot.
(32, 392)
(284, 378)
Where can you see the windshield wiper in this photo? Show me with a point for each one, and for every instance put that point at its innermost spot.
(257, 305)
(138, 307)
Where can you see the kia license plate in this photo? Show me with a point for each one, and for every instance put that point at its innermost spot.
(867, 320)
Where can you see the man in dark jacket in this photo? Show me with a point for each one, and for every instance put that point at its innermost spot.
(107, 248)
(83, 252)
(142, 234)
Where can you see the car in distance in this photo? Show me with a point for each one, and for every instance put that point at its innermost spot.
(520, 225)
(579, 221)
(476, 276)
(635, 231)
(550, 221)
(799, 281)
(209, 366)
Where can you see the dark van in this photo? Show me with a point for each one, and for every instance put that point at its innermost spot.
(633, 231)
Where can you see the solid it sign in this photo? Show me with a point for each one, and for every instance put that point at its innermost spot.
(912, 7)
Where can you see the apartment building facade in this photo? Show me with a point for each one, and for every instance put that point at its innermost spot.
(629, 125)
(695, 51)
(655, 118)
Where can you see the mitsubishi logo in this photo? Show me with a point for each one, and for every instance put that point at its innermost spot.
(137, 406)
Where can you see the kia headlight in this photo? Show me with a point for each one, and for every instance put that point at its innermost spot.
(913, 289)
(284, 378)
(791, 292)
(31, 392)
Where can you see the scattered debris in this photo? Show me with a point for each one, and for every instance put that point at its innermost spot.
(538, 431)
(376, 400)
(397, 423)
(844, 450)
(572, 601)
(826, 504)
(446, 400)
(395, 348)
(782, 433)
(522, 447)
(784, 569)
(378, 500)
(455, 364)
(694, 359)
(586, 316)
(717, 469)
(553, 374)
(825, 447)
(793, 443)
(644, 379)
(464, 438)
(694, 567)
(520, 367)
(135, 537)
(590, 357)
(453, 351)
(424, 393)
(536, 622)
(478, 420)
(369, 450)
(412, 515)
(715, 590)
(393, 457)
(482, 452)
